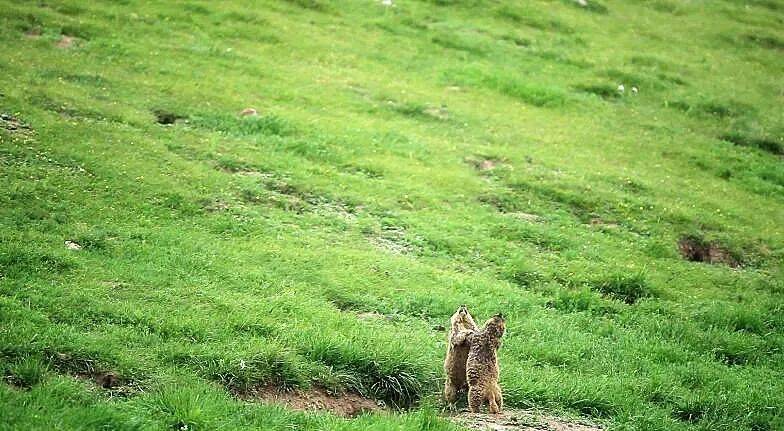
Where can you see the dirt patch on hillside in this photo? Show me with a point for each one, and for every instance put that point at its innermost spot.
(484, 164)
(14, 125)
(66, 42)
(316, 399)
(104, 379)
(520, 420)
(696, 249)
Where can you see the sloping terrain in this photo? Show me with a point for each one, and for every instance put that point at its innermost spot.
(608, 174)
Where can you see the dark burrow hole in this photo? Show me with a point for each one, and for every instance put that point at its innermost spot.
(167, 117)
(696, 249)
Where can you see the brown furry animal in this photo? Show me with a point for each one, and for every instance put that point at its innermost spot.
(462, 325)
(482, 366)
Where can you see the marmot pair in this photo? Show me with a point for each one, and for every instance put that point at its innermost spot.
(471, 360)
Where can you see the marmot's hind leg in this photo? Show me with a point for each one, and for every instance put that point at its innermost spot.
(492, 403)
(476, 397)
(499, 397)
(450, 391)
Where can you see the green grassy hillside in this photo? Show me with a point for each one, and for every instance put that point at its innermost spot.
(404, 160)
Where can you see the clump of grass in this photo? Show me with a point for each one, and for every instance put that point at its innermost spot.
(243, 126)
(512, 85)
(458, 43)
(314, 5)
(26, 371)
(581, 299)
(605, 91)
(95, 239)
(22, 260)
(769, 145)
(529, 92)
(766, 41)
(187, 407)
(241, 371)
(522, 274)
(532, 19)
(627, 287)
(396, 380)
(715, 108)
(419, 110)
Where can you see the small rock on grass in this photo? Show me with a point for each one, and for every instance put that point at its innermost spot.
(72, 245)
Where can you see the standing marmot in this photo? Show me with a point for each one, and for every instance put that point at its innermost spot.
(482, 366)
(457, 353)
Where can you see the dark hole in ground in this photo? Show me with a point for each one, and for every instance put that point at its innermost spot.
(315, 399)
(696, 249)
(104, 379)
(167, 117)
(90, 370)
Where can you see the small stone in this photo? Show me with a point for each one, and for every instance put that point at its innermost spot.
(248, 112)
(71, 245)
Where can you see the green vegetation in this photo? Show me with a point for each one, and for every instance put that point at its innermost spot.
(161, 254)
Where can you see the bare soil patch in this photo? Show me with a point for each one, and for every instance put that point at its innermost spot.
(598, 222)
(316, 399)
(104, 379)
(33, 33)
(484, 164)
(66, 42)
(520, 420)
(14, 124)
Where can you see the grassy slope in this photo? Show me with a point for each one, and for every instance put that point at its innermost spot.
(225, 253)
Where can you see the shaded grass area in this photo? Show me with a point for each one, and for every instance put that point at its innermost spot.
(161, 254)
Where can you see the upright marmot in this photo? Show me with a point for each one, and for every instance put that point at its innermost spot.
(482, 366)
(457, 353)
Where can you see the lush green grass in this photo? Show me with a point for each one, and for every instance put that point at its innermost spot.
(221, 253)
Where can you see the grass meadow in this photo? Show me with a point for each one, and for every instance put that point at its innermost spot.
(161, 254)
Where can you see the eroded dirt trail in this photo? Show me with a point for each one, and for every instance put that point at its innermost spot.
(520, 420)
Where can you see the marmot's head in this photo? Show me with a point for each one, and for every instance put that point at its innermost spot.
(461, 315)
(495, 326)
